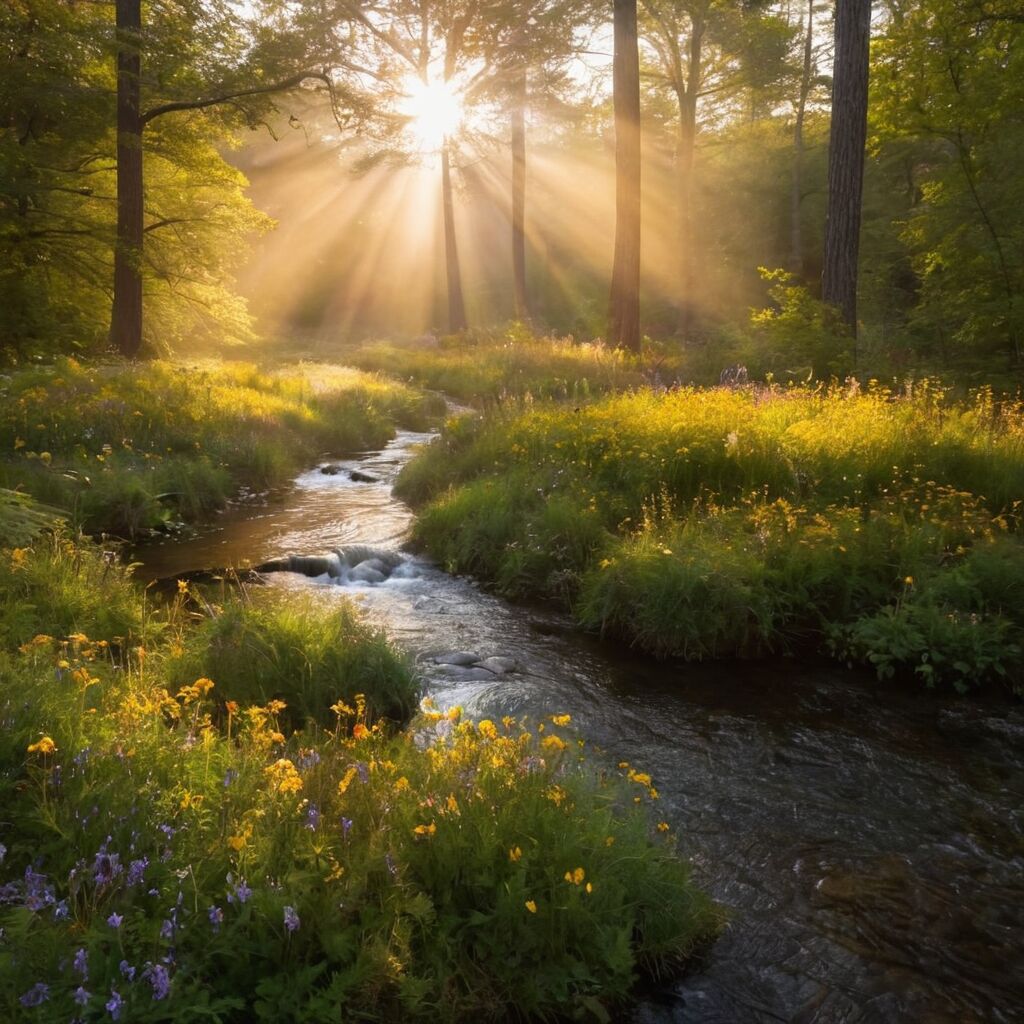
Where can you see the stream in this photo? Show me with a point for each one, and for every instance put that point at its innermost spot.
(868, 841)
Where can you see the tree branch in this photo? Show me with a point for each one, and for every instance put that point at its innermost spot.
(261, 90)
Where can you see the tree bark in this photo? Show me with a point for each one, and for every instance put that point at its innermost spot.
(522, 305)
(453, 273)
(847, 137)
(126, 315)
(624, 307)
(796, 257)
(686, 312)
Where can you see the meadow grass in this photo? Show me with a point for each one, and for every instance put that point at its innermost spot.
(175, 846)
(880, 525)
(483, 369)
(128, 448)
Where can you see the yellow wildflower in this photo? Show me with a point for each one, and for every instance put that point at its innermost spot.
(663, 826)
(488, 729)
(44, 745)
(425, 830)
(514, 854)
(553, 742)
(575, 877)
(283, 776)
(346, 780)
(531, 906)
(561, 720)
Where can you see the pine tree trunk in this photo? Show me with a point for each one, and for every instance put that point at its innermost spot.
(522, 305)
(453, 273)
(624, 308)
(126, 315)
(686, 311)
(847, 137)
(796, 257)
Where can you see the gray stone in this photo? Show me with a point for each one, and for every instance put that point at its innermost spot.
(375, 564)
(363, 478)
(364, 574)
(499, 666)
(463, 674)
(457, 658)
(331, 469)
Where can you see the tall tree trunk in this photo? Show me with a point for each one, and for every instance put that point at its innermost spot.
(624, 307)
(453, 273)
(847, 136)
(686, 312)
(796, 257)
(126, 315)
(522, 305)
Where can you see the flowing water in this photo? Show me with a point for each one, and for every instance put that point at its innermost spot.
(867, 842)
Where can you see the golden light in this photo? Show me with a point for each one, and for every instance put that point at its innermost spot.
(434, 110)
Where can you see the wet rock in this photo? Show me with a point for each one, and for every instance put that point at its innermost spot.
(457, 658)
(364, 573)
(363, 478)
(331, 469)
(499, 666)
(464, 674)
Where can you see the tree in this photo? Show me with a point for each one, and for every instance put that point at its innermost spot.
(243, 85)
(847, 136)
(624, 307)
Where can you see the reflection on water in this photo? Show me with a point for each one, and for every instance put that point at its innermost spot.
(868, 844)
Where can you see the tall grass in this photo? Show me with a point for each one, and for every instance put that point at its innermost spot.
(170, 848)
(125, 448)
(710, 523)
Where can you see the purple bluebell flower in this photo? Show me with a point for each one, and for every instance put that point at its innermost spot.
(241, 892)
(307, 759)
(167, 929)
(216, 916)
(81, 997)
(346, 825)
(61, 912)
(127, 971)
(38, 894)
(137, 871)
(392, 870)
(364, 771)
(229, 776)
(3, 852)
(114, 1004)
(159, 978)
(115, 920)
(312, 817)
(81, 962)
(106, 867)
(291, 919)
(36, 995)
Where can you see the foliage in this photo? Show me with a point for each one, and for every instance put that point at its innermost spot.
(169, 853)
(126, 449)
(723, 522)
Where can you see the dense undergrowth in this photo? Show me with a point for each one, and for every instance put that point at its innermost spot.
(128, 448)
(880, 526)
(171, 848)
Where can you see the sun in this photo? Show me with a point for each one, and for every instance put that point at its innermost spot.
(434, 110)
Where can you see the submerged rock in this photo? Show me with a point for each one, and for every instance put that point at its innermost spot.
(363, 478)
(331, 469)
(464, 674)
(498, 665)
(457, 658)
(365, 573)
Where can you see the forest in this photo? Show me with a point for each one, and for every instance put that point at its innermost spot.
(511, 510)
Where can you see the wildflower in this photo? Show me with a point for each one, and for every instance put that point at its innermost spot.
(36, 995)
(44, 745)
(283, 776)
(401, 784)
(291, 919)
(114, 1003)
(359, 731)
(160, 979)
(514, 854)
(341, 708)
(425, 830)
(390, 862)
(229, 776)
(346, 781)
(663, 826)
(561, 720)
(555, 794)
(531, 906)
(3, 852)
(216, 916)
(127, 971)
(487, 729)
(183, 587)
(137, 871)
(81, 997)
(115, 920)
(909, 581)
(167, 929)
(346, 825)
(590, 888)
(312, 818)
(640, 778)
(81, 962)
(553, 743)
(575, 877)
(240, 892)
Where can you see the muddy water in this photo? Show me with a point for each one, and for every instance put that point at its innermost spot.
(868, 844)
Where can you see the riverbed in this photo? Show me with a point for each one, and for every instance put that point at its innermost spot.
(867, 839)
